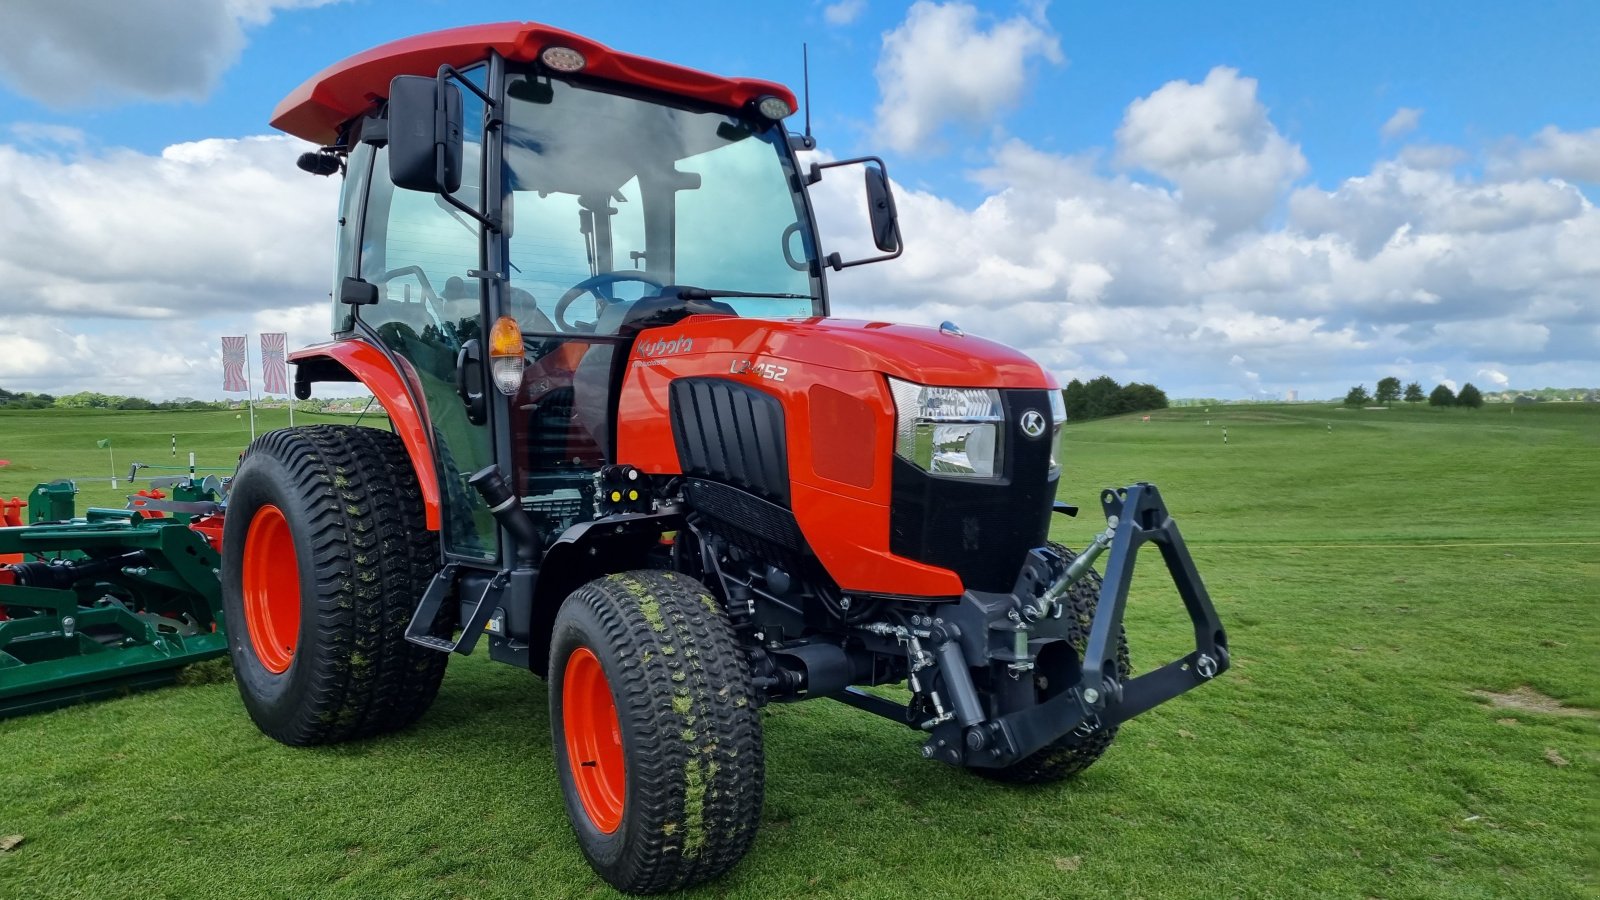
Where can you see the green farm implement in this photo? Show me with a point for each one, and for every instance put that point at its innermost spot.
(112, 601)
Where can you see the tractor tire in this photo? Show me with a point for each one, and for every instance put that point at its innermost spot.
(1071, 753)
(657, 738)
(325, 552)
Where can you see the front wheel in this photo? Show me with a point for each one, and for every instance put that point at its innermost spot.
(657, 737)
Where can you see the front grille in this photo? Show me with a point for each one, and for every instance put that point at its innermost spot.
(982, 529)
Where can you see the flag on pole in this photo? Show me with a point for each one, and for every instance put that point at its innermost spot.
(234, 359)
(103, 443)
(274, 371)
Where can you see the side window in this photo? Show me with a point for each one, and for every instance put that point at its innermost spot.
(355, 187)
(418, 250)
(428, 248)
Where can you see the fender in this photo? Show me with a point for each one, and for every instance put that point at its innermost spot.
(357, 360)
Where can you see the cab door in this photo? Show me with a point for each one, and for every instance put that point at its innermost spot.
(419, 251)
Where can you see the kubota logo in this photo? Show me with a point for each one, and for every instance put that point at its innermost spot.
(1033, 423)
(664, 347)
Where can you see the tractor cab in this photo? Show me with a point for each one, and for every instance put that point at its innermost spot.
(510, 224)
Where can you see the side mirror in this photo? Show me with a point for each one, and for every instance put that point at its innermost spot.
(425, 143)
(881, 214)
(354, 291)
(880, 208)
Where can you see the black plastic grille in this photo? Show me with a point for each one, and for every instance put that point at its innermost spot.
(729, 432)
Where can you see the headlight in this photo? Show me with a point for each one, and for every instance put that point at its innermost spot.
(1058, 419)
(948, 431)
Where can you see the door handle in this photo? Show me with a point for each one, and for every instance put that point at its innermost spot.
(469, 364)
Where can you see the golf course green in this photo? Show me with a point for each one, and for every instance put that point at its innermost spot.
(1412, 597)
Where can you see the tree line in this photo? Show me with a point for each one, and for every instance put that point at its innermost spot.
(95, 400)
(1103, 396)
(1389, 390)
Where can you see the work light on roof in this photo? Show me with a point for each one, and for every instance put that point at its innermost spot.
(562, 59)
(774, 108)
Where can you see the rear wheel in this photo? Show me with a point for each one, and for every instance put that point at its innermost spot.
(324, 554)
(657, 738)
(1071, 753)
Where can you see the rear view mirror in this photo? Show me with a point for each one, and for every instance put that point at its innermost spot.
(881, 214)
(880, 207)
(425, 143)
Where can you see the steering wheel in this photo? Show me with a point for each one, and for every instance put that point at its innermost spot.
(591, 285)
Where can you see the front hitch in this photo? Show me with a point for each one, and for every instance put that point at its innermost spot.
(1135, 515)
(1140, 517)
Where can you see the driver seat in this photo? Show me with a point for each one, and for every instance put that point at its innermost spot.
(599, 374)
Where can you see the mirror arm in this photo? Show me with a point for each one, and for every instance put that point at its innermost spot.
(490, 223)
(834, 260)
(446, 72)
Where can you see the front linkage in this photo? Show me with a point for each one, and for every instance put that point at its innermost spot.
(1027, 693)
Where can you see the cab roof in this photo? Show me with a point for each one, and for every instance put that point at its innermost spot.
(315, 110)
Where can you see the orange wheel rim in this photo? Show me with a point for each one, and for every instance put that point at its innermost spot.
(271, 589)
(594, 740)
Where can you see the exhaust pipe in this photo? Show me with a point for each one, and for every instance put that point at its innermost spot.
(507, 509)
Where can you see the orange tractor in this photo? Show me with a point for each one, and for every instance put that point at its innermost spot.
(631, 452)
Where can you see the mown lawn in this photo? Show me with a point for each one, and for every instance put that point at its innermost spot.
(1379, 581)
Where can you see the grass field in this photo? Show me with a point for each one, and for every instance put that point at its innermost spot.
(1413, 602)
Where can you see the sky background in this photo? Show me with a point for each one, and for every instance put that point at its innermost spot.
(1229, 200)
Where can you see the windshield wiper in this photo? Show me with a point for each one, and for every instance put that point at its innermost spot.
(694, 293)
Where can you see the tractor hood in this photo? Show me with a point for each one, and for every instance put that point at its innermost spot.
(910, 352)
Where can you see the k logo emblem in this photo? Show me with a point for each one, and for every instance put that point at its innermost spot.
(1033, 423)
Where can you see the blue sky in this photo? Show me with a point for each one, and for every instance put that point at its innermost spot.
(1297, 154)
(1331, 73)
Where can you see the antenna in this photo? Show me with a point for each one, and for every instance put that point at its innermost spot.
(805, 87)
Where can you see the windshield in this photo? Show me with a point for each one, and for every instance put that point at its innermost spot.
(609, 198)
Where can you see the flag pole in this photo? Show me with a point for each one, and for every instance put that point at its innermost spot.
(250, 384)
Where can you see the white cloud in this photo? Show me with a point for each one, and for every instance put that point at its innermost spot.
(210, 225)
(1094, 272)
(1432, 156)
(1214, 141)
(1498, 380)
(1404, 121)
(844, 12)
(122, 269)
(207, 238)
(63, 54)
(941, 66)
(1572, 155)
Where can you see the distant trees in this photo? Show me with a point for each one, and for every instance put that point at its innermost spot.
(1388, 390)
(95, 400)
(1358, 396)
(1470, 396)
(25, 400)
(1414, 393)
(1103, 396)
